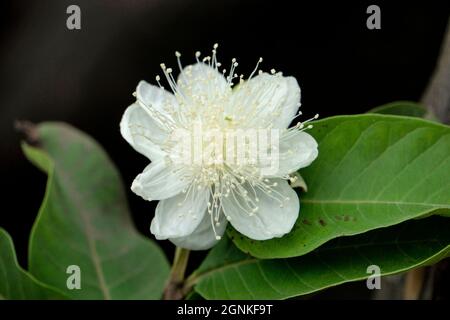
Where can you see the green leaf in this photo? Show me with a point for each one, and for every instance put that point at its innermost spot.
(401, 108)
(372, 171)
(228, 273)
(193, 295)
(405, 108)
(16, 283)
(84, 220)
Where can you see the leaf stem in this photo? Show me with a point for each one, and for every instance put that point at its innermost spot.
(174, 287)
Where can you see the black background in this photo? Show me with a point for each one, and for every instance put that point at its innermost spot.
(86, 77)
(280, 309)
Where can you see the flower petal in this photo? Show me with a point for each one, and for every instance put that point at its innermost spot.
(156, 99)
(264, 100)
(297, 150)
(180, 215)
(270, 220)
(200, 81)
(203, 237)
(142, 132)
(290, 105)
(158, 182)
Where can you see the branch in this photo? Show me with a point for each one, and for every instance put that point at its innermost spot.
(174, 288)
(437, 94)
(437, 100)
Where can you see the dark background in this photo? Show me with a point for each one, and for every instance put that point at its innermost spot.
(86, 77)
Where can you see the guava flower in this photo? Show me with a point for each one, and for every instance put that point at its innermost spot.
(198, 199)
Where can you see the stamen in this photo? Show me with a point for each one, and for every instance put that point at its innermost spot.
(256, 68)
(158, 78)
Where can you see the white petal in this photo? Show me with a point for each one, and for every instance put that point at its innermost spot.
(156, 99)
(203, 237)
(158, 182)
(180, 215)
(200, 81)
(270, 220)
(263, 100)
(290, 105)
(142, 132)
(297, 150)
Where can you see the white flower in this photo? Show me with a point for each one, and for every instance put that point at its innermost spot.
(197, 200)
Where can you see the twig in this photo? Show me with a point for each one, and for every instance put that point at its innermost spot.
(414, 283)
(174, 288)
(29, 130)
(437, 94)
(437, 100)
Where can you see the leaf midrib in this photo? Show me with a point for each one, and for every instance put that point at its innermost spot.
(88, 231)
